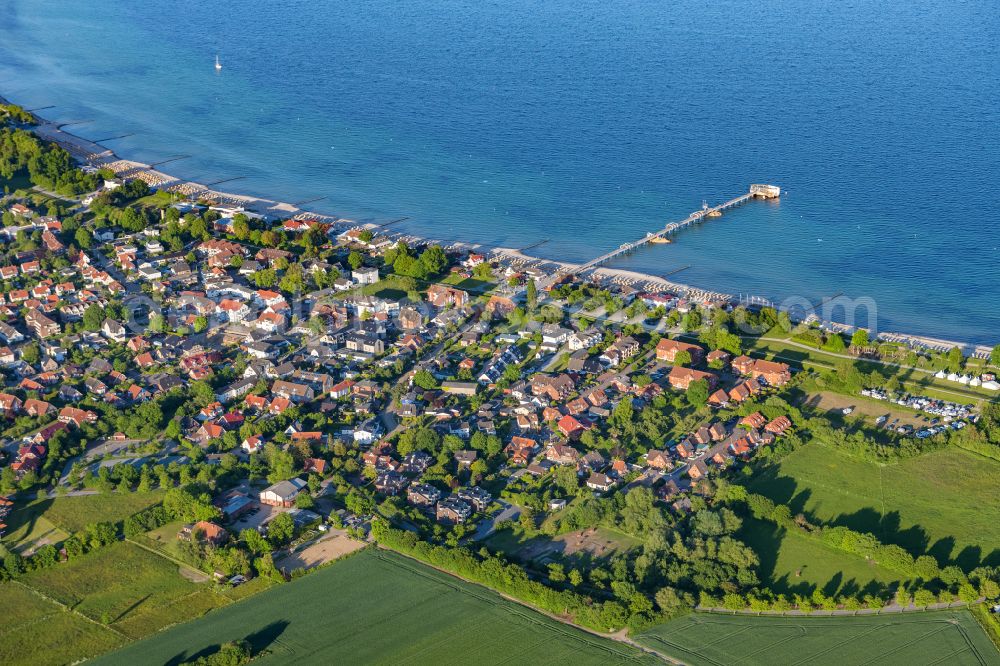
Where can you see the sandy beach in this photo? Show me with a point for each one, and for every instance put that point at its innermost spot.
(96, 155)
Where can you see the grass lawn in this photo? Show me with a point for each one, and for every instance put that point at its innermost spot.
(38, 632)
(940, 637)
(866, 410)
(379, 607)
(792, 563)
(73, 513)
(930, 504)
(124, 586)
(165, 539)
(28, 530)
(468, 284)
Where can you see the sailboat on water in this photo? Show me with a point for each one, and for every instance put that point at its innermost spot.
(218, 65)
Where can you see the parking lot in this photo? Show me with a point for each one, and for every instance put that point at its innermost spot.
(256, 516)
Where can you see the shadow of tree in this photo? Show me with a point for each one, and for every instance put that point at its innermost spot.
(131, 608)
(942, 549)
(259, 641)
(833, 585)
(26, 517)
(970, 557)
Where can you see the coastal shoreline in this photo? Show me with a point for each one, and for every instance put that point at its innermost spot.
(97, 155)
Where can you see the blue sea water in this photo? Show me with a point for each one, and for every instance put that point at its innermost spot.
(586, 122)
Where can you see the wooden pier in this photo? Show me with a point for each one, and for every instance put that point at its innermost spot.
(756, 191)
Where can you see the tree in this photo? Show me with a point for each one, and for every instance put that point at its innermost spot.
(995, 356)
(955, 359)
(293, 281)
(254, 542)
(93, 317)
(860, 338)
(233, 653)
(697, 393)
(269, 238)
(30, 353)
(241, 226)
(359, 503)
(434, 260)
(157, 323)
(424, 380)
(691, 321)
(280, 462)
(566, 479)
(835, 343)
(189, 504)
(265, 279)
(280, 530)
(623, 414)
(202, 393)
(668, 600)
(532, 295)
(355, 260)
(173, 429)
(83, 238)
(682, 358)
(483, 271)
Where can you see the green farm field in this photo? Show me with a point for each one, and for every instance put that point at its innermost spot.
(929, 504)
(939, 637)
(379, 607)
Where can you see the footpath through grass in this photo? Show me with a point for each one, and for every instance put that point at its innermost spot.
(933, 637)
(933, 503)
(379, 607)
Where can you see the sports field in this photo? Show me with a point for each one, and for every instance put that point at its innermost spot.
(379, 607)
(940, 637)
(929, 504)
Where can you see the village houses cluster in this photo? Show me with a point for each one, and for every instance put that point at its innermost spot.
(350, 367)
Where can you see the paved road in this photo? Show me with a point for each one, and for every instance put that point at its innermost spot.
(104, 448)
(486, 527)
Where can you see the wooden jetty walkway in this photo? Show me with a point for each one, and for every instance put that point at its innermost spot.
(756, 191)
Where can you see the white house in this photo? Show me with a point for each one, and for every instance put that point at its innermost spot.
(233, 310)
(365, 275)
